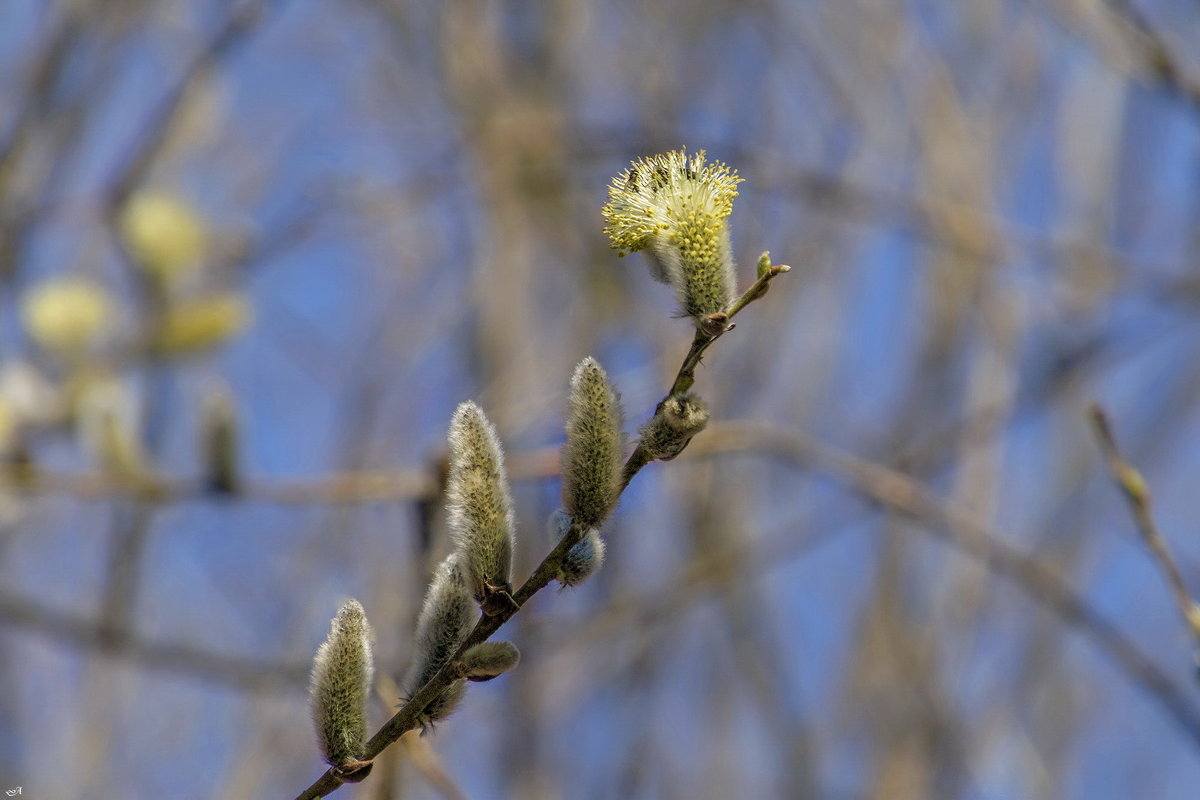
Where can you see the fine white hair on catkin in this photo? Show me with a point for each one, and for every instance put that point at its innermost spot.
(444, 622)
(479, 502)
(340, 685)
(592, 456)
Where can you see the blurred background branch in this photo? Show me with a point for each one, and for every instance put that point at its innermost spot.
(1137, 495)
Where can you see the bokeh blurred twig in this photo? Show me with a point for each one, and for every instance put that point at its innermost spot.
(1137, 496)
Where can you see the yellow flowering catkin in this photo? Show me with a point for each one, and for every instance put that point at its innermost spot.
(592, 457)
(341, 684)
(675, 208)
(444, 622)
(479, 504)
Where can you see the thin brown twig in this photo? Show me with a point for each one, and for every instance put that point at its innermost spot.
(352, 487)
(1162, 64)
(717, 325)
(686, 376)
(1137, 496)
(416, 749)
(46, 67)
(960, 528)
(21, 613)
(407, 718)
(153, 136)
(1143, 52)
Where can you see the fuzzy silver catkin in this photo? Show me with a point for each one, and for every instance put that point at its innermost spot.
(340, 685)
(584, 558)
(680, 417)
(444, 621)
(479, 504)
(592, 456)
(489, 660)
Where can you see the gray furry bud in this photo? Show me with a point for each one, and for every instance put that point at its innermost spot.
(481, 518)
(341, 684)
(489, 660)
(678, 419)
(592, 457)
(444, 621)
(584, 558)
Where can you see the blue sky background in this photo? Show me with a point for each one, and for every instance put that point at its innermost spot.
(990, 210)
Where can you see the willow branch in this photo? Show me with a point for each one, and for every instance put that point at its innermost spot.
(18, 613)
(713, 327)
(407, 718)
(1137, 497)
(1160, 62)
(358, 487)
(720, 324)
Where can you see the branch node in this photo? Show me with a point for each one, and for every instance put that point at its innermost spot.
(352, 771)
(497, 600)
(713, 325)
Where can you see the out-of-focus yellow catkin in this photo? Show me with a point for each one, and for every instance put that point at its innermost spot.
(193, 326)
(8, 426)
(106, 420)
(33, 400)
(164, 234)
(67, 315)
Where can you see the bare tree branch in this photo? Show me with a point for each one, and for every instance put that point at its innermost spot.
(182, 659)
(1137, 496)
